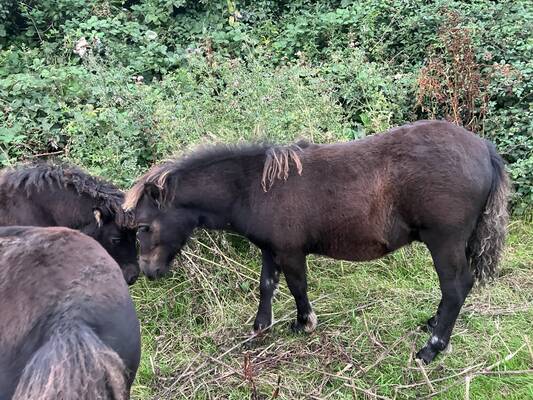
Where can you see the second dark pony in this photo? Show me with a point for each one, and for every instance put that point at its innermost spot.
(45, 194)
(68, 325)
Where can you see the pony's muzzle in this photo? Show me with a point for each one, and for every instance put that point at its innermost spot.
(131, 273)
(152, 273)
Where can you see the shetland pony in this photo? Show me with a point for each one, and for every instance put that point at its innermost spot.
(42, 194)
(430, 181)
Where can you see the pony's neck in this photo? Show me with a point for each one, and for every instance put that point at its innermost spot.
(77, 211)
(217, 191)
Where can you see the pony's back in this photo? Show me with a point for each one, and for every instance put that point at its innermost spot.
(69, 326)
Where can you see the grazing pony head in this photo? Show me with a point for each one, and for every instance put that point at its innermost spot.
(112, 229)
(162, 229)
(65, 195)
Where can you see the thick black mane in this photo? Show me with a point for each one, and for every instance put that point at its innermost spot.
(207, 155)
(201, 157)
(35, 177)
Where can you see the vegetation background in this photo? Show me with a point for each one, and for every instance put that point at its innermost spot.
(117, 85)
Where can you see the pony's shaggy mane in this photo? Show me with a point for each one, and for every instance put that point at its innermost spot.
(277, 162)
(35, 177)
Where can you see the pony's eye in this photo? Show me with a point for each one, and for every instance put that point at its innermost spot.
(115, 240)
(143, 228)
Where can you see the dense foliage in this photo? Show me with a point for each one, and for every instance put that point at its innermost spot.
(118, 84)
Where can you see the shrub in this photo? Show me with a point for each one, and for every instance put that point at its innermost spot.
(160, 75)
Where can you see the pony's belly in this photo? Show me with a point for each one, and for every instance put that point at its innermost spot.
(359, 251)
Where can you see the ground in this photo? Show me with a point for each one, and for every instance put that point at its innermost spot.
(196, 324)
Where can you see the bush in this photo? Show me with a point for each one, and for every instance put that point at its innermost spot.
(152, 77)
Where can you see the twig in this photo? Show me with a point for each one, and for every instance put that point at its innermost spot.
(431, 395)
(209, 285)
(515, 372)
(51, 153)
(425, 375)
(465, 371)
(370, 335)
(526, 339)
(365, 391)
(275, 393)
(33, 23)
(468, 378)
(384, 354)
(506, 358)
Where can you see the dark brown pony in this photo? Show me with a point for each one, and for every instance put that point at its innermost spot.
(42, 194)
(68, 326)
(430, 181)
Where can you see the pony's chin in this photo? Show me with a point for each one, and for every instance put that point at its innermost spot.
(155, 273)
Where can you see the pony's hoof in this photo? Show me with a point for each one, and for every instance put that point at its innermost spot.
(427, 354)
(305, 324)
(448, 349)
(261, 326)
(296, 327)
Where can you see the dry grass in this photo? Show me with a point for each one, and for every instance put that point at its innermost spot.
(196, 324)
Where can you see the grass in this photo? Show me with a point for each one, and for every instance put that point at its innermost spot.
(195, 326)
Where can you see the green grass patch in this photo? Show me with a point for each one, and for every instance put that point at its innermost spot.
(195, 326)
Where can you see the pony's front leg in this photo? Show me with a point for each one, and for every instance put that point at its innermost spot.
(294, 269)
(267, 286)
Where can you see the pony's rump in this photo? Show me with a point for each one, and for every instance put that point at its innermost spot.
(69, 330)
(73, 364)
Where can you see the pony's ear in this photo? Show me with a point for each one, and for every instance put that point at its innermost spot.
(98, 217)
(153, 192)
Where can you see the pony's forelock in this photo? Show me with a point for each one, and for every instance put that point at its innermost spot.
(157, 175)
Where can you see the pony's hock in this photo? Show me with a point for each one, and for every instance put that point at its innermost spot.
(430, 181)
(44, 194)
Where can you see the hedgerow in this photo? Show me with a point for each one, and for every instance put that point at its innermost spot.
(116, 85)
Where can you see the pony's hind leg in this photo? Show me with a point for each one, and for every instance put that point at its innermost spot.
(268, 283)
(433, 321)
(456, 280)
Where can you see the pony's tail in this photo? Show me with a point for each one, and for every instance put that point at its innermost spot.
(486, 244)
(73, 364)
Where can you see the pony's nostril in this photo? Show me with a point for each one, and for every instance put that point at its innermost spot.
(157, 272)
